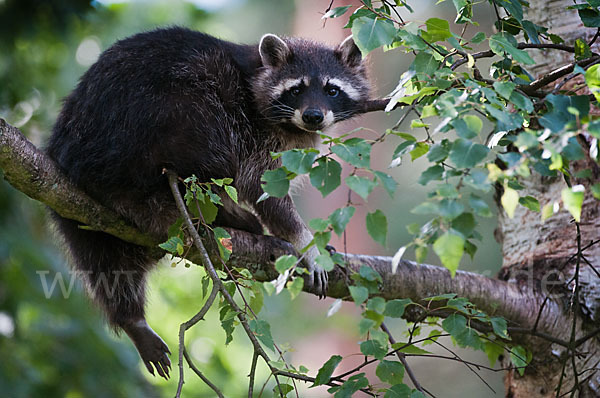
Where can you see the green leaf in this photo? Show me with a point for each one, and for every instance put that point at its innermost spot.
(590, 17)
(282, 388)
(504, 43)
(547, 211)
(532, 31)
(285, 262)
(449, 247)
(467, 154)
(582, 50)
(399, 391)
(592, 79)
(431, 174)
(464, 11)
(370, 33)
(262, 330)
(359, 294)
(505, 89)
(455, 324)
(227, 318)
(340, 218)
(469, 338)
(500, 327)
(521, 101)
(426, 208)
(299, 161)
(369, 274)
(395, 308)
(388, 182)
(450, 208)
(350, 386)
(507, 121)
(276, 182)
(318, 224)
(373, 348)
(479, 205)
(510, 200)
(493, 350)
(223, 241)
(326, 176)
(173, 245)
(324, 374)
(596, 190)
(478, 38)
(465, 224)
(530, 202)
(363, 186)
(365, 325)
(437, 30)
(391, 372)
(513, 7)
(232, 192)
(295, 287)
(419, 150)
(519, 357)
(335, 12)
(325, 261)
(209, 210)
(573, 200)
(558, 115)
(377, 226)
(355, 151)
(424, 64)
(468, 126)
(437, 153)
(376, 304)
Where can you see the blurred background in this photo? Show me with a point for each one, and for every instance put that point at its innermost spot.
(57, 345)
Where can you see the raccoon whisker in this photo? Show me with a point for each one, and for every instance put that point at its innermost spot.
(343, 115)
(280, 107)
(281, 110)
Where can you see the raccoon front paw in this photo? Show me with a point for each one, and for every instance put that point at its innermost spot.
(151, 348)
(320, 280)
(317, 279)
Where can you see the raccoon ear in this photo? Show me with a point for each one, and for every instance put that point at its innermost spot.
(349, 53)
(273, 51)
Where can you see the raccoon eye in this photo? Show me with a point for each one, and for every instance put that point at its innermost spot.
(333, 91)
(295, 91)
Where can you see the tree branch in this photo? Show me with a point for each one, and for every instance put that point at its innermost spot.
(33, 173)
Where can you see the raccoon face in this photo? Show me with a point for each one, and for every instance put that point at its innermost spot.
(305, 86)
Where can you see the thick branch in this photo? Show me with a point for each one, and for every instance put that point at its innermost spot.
(31, 172)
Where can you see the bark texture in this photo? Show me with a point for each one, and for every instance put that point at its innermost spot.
(542, 255)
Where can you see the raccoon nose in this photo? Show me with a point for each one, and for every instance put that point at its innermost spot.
(312, 116)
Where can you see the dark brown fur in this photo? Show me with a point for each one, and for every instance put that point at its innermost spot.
(182, 100)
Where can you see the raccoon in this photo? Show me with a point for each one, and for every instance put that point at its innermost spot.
(186, 101)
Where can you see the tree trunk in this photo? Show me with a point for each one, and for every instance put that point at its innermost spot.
(543, 256)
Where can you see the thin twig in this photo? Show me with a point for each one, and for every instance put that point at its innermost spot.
(185, 326)
(253, 371)
(210, 269)
(402, 359)
(520, 46)
(200, 375)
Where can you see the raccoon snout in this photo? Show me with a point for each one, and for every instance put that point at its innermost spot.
(312, 116)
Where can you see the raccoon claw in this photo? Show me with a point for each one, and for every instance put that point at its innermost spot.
(317, 280)
(151, 348)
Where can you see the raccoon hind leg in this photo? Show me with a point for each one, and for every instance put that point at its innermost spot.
(115, 274)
